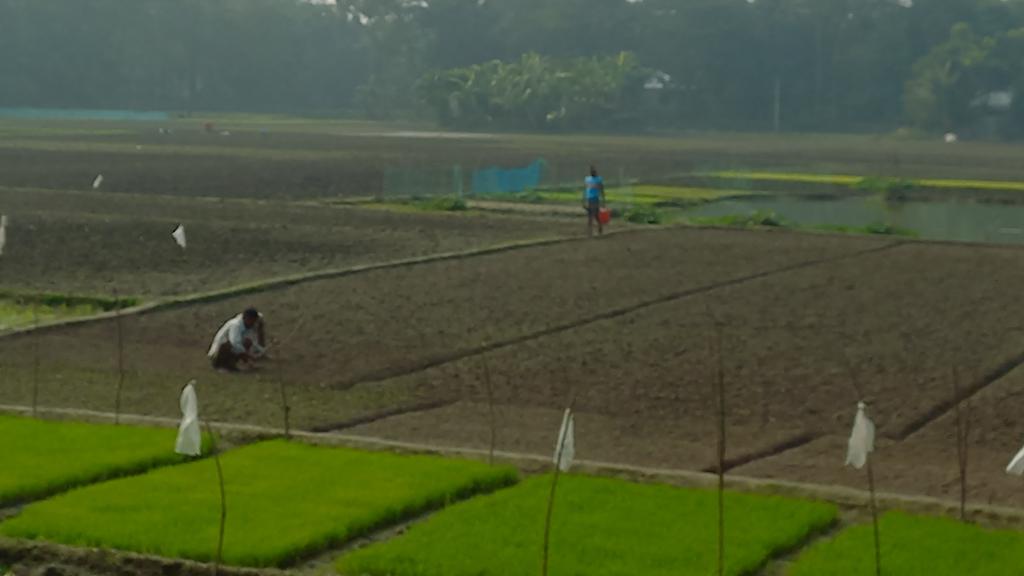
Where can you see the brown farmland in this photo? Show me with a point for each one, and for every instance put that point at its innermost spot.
(95, 242)
(365, 330)
(810, 323)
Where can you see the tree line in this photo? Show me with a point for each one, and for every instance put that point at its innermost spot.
(799, 65)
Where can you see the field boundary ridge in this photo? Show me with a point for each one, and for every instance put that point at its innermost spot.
(279, 282)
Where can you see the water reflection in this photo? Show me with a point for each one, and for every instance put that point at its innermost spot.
(945, 219)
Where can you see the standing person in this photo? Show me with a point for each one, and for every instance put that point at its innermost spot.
(240, 339)
(593, 201)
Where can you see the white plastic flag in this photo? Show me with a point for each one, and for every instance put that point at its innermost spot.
(3, 233)
(189, 441)
(565, 450)
(1016, 466)
(862, 439)
(97, 182)
(179, 236)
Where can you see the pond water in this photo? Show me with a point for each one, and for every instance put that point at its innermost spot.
(958, 220)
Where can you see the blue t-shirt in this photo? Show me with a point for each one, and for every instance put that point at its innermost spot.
(593, 187)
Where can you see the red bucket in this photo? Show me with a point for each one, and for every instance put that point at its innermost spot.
(604, 215)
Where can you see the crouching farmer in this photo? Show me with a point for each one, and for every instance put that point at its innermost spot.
(240, 339)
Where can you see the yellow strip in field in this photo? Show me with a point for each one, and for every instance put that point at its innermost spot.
(974, 184)
(650, 194)
(837, 179)
(850, 180)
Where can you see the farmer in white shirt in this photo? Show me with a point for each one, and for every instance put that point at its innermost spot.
(239, 339)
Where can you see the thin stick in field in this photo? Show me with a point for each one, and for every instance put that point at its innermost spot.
(285, 408)
(223, 499)
(962, 408)
(120, 358)
(490, 410)
(489, 387)
(855, 383)
(874, 518)
(720, 392)
(554, 488)
(35, 359)
(859, 454)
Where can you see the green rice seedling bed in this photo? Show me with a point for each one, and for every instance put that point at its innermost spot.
(916, 546)
(600, 527)
(284, 500)
(44, 457)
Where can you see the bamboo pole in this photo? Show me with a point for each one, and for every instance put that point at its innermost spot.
(286, 408)
(551, 495)
(720, 393)
(223, 500)
(35, 359)
(963, 430)
(120, 358)
(490, 410)
(874, 517)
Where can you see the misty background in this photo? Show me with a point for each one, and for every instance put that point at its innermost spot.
(550, 65)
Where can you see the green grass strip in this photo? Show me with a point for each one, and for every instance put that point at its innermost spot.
(850, 180)
(973, 184)
(14, 315)
(18, 309)
(51, 299)
(835, 179)
(640, 195)
(600, 527)
(678, 192)
(43, 457)
(916, 546)
(285, 501)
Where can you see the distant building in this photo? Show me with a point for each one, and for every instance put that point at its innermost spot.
(658, 81)
(995, 102)
(991, 111)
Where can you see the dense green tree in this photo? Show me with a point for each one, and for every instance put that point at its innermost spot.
(946, 81)
(178, 54)
(828, 65)
(537, 92)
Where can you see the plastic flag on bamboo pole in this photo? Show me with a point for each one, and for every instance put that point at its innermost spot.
(862, 439)
(565, 450)
(1016, 466)
(189, 441)
(3, 233)
(97, 182)
(858, 455)
(179, 236)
